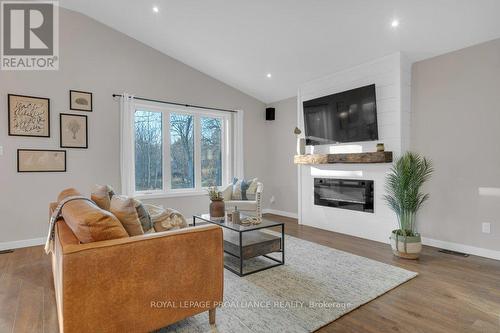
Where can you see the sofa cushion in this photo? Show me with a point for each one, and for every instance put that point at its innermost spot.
(124, 209)
(101, 195)
(88, 222)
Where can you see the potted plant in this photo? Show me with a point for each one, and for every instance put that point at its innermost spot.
(217, 207)
(404, 197)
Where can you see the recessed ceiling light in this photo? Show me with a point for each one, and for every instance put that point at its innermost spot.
(268, 75)
(394, 23)
(156, 9)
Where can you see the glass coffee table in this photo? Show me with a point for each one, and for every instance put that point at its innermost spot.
(246, 242)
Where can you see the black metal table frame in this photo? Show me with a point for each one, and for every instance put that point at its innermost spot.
(240, 257)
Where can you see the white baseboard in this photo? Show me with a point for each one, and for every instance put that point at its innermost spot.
(477, 251)
(22, 243)
(280, 212)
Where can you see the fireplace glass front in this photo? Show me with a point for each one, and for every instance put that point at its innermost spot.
(353, 194)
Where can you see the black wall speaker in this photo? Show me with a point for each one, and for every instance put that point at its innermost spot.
(270, 113)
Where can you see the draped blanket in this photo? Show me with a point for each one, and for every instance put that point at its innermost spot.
(49, 244)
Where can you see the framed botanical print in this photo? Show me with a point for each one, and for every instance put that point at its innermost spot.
(80, 100)
(39, 160)
(73, 131)
(28, 116)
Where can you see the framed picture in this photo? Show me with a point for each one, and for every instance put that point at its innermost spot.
(39, 160)
(80, 100)
(73, 131)
(28, 116)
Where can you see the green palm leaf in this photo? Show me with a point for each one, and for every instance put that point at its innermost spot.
(403, 184)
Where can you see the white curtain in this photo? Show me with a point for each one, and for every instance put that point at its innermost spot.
(127, 167)
(238, 153)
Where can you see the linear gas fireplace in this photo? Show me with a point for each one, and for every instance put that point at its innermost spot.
(350, 194)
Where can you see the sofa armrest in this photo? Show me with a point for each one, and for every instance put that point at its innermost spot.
(141, 283)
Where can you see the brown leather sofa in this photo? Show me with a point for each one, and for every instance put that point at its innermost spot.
(136, 284)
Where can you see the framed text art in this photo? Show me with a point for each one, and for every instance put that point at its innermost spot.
(28, 116)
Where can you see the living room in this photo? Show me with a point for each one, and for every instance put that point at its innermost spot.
(272, 166)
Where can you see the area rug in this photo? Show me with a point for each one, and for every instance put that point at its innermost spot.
(316, 285)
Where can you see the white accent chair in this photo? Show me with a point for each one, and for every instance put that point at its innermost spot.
(249, 207)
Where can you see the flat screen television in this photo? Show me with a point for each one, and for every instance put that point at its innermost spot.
(348, 116)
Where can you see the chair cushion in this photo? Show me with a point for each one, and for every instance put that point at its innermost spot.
(88, 222)
(101, 195)
(123, 208)
(246, 205)
(244, 189)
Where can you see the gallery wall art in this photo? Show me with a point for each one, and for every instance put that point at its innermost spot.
(28, 116)
(73, 131)
(38, 160)
(80, 100)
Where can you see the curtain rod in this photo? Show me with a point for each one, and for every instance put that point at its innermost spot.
(178, 104)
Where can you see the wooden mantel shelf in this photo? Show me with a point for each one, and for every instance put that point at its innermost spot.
(375, 157)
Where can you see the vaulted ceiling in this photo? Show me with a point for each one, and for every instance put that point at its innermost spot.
(240, 41)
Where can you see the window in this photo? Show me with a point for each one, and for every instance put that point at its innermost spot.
(148, 150)
(180, 150)
(211, 152)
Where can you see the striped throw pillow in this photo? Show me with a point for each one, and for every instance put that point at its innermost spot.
(244, 189)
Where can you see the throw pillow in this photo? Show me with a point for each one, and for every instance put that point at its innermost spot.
(236, 195)
(88, 222)
(252, 189)
(101, 195)
(241, 189)
(165, 219)
(144, 217)
(123, 208)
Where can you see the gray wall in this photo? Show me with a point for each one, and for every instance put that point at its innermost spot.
(456, 123)
(101, 60)
(282, 183)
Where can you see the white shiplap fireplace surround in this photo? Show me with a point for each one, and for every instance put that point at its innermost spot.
(392, 77)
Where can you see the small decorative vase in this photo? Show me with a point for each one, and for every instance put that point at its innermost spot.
(301, 146)
(235, 216)
(408, 247)
(217, 208)
(380, 147)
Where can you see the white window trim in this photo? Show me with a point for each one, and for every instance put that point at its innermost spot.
(226, 149)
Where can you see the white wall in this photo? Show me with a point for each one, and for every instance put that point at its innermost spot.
(96, 58)
(456, 123)
(282, 180)
(391, 77)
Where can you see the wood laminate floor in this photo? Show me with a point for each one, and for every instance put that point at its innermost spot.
(451, 294)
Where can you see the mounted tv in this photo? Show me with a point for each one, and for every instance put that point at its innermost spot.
(349, 116)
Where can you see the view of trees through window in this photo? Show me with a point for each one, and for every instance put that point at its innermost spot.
(211, 154)
(149, 141)
(182, 150)
(148, 151)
